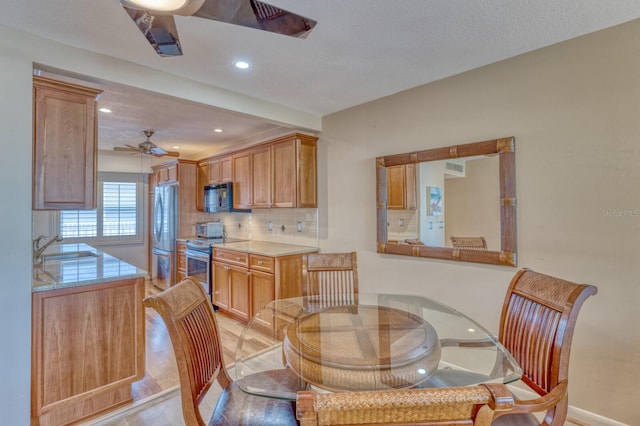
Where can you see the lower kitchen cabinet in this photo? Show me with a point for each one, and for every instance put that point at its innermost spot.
(239, 292)
(262, 290)
(244, 283)
(87, 349)
(181, 260)
(220, 278)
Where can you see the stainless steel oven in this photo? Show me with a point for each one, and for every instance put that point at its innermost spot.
(198, 256)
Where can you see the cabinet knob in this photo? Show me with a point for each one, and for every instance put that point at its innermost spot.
(260, 262)
(238, 258)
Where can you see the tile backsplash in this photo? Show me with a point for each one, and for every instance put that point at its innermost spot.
(402, 224)
(287, 226)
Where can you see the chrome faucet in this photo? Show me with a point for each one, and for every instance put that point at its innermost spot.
(37, 250)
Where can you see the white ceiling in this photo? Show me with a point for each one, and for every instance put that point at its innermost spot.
(359, 51)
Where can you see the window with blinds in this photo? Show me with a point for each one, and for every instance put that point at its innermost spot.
(118, 216)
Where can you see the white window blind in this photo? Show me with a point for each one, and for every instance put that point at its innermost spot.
(78, 223)
(119, 209)
(118, 216)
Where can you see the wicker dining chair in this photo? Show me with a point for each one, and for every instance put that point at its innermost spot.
(193, 329)
(538, 318)
(469, 243)
(331, 276)
(465, 405)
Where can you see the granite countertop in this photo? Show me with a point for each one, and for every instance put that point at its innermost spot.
(395, 236)
(266, 248)
(73, 272)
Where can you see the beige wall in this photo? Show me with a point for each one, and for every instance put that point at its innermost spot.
(574, 110)
(472, 204)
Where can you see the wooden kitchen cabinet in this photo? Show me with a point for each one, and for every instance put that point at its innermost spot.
(242, 180)
(239, 292)
(220, 285)
(220, 169)
(295, 171)
(202, 180)
(261, 177)
(181, 260)
(64, 145)
(279, 173)
(88, 347)
(401, 187)
(244, 283)
(167, 173)
(231, 283)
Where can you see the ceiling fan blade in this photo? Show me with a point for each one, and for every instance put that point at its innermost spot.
(167, 153)
(256, 14)
(159, 30)
(127, 148)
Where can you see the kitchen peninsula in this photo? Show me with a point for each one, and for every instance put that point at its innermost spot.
(87, 333)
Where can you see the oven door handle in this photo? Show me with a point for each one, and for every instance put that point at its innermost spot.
(197, 255)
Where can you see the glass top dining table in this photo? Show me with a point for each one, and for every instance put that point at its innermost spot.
(381, 341)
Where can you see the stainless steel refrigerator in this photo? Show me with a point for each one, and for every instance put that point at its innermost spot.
(165, 225)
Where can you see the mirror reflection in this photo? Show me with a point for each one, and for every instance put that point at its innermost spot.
(454, 198)
(454, 203)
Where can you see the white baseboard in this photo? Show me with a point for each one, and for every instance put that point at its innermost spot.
(575, 415)
(587, 418)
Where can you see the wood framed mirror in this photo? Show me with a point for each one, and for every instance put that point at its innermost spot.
(427, 200)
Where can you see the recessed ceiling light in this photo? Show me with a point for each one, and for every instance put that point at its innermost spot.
(241, 65)
(175, 147)
(217, 130)
(107, 110)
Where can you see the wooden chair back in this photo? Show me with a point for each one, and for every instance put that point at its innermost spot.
(191, 323)
(469, 243)
(333, 276)
(538, 319)
(465, 405)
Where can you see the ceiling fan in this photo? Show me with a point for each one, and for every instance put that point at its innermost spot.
(147, 147)
(155, 20)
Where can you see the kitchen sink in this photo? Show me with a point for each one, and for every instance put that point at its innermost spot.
(68, 255)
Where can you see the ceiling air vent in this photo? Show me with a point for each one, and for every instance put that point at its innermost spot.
(454, 169)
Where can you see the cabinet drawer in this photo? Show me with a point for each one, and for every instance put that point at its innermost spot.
(262, 263)
(233, 257)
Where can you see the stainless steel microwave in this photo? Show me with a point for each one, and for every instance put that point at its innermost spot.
(218, 198)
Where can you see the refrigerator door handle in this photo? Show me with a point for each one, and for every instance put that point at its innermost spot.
(159, 219)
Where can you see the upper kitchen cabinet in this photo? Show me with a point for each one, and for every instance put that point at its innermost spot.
(278, 173)
(401, 187)
(252, 178)
(64, 145)
(261, 173)
(220, 169)
(202, 180)
(167, 173)
(295, 171)
(242, 180)
(210, 172)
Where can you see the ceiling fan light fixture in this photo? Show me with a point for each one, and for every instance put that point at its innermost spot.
(156, 5)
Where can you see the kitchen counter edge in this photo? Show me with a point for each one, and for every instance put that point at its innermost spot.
(102, 268)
